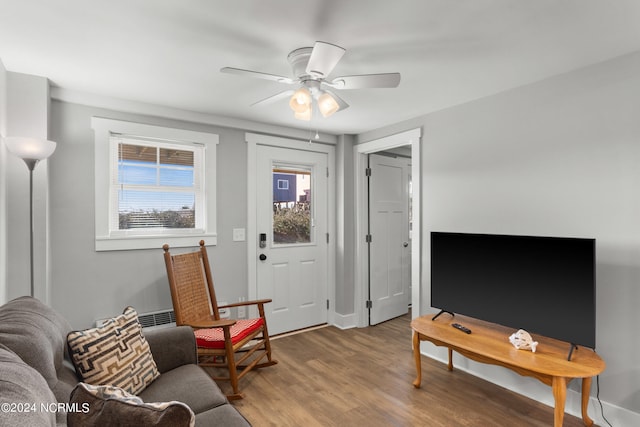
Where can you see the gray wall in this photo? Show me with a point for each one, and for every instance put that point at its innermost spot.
(345, 248)
(560, 158)
(89, 285)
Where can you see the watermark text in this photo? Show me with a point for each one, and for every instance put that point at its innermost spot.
(53, 407)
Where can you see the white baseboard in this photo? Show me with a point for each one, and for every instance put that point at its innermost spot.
(344, 321)
(616, 416)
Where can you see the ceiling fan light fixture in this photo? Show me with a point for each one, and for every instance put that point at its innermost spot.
(300, 100)
(311, 67)
(327, 104)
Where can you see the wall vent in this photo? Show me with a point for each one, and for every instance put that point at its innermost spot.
(152, 320)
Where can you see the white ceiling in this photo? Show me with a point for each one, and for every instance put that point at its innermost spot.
(169, 52)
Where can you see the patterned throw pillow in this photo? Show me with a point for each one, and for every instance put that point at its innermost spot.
(108, 405)
(114, 354)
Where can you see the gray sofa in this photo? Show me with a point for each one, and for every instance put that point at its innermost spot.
(36, 378)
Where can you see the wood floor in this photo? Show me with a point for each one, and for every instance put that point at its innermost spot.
(362, 377)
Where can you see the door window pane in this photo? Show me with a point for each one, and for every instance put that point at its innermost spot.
(291, 206)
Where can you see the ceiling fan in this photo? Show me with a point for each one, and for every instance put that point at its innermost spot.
(311, 68)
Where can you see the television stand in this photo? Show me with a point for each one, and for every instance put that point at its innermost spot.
(442, 312)
(573, 347)
(489, 343)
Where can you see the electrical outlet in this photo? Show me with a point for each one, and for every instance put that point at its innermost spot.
(242, 311)
(224, 313)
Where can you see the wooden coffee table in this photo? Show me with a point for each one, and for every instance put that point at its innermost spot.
(489, 343)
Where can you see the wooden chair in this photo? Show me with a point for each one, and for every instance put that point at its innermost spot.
(237, 345)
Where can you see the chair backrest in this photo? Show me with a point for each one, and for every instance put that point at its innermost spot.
(191, 284)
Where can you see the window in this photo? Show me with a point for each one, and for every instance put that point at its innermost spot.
(156, 186)
(291, 205)
(283, 184)
(152, 186)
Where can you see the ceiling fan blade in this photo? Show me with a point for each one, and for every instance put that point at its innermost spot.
(365, 81)
(324, 57)
(274, 98)
(341, 102)
(249, 73)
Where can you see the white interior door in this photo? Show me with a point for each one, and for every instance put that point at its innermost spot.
(390, 249)
(292, 227)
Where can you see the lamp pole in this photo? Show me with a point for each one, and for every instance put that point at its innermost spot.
(31, 164)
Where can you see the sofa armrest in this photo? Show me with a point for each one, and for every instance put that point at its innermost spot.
(172, 347)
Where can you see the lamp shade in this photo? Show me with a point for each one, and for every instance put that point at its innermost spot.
(327, 104)
(300, 100)
(304, 115)
(30, 148)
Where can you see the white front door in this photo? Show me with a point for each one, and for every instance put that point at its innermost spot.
(292, 227)
(390, 249)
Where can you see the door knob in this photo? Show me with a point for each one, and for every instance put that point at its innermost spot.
(405, 244)
(262, 257)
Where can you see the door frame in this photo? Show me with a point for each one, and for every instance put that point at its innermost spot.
(253, 140)
(410, 137)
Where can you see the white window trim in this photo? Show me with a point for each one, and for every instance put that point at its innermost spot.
(105, 241)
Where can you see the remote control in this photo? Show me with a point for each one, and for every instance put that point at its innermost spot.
(462, 328)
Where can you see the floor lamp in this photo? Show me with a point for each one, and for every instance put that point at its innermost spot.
(31, 150)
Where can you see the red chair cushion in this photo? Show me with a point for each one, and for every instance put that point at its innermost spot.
(214, 337)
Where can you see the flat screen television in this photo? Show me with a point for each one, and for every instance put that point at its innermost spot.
(544, 285)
